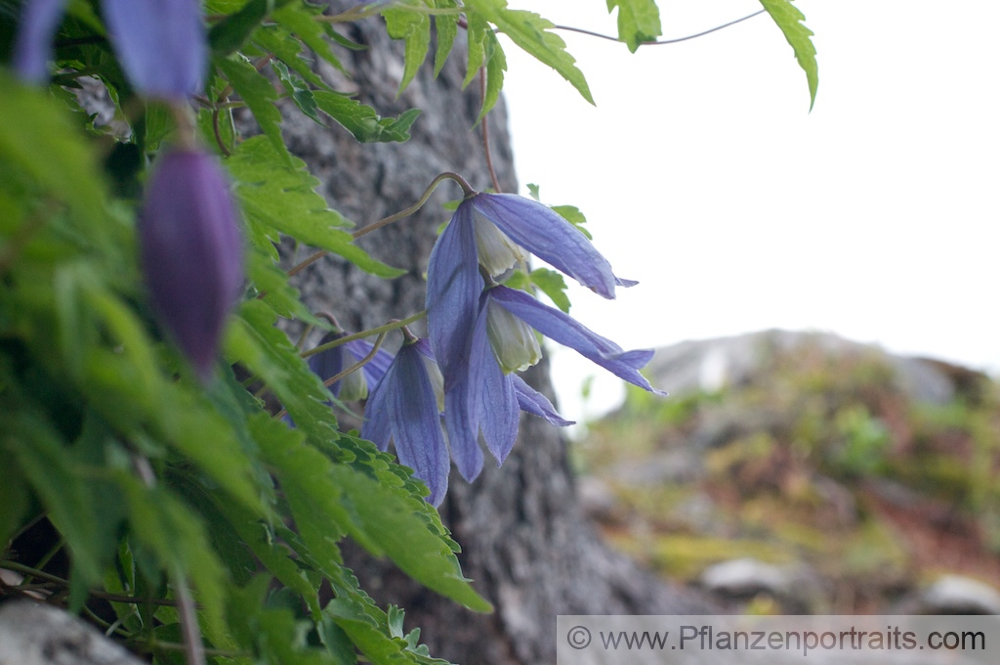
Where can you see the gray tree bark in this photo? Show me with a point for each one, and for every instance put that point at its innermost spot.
(526, 542)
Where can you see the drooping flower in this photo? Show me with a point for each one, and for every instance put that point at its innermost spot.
(356, 385)
(192, 251)
(500, 400)
(403, 408)
(33, 44)
(489, 231)
(161, 44)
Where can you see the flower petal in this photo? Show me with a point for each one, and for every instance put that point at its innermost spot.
(500, 413)
(375, 368)
(416, 425)
(536, 403)
(463, 405)
(161, 45)
(33, 44)
(402, 407)
(453, 289)
(562, 328)
(544, 233)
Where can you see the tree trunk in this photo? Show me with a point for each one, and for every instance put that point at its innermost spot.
(526, 543)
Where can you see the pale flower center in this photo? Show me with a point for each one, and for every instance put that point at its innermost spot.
(497, 252)
(513, 341)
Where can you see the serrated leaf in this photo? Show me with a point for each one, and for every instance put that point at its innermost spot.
(280, 197)
(638, 21)
(299, 18)
(446, 29)
(259, 96)
(300, 93)
(533, 34)
(553, 285)
(362, 121)
(285, 48)
(415, 29)
(789, 19)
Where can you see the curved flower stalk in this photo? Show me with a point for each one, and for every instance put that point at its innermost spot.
(192, 252)
(161, 44)
(330, 363)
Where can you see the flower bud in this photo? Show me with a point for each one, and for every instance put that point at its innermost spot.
(192, 252)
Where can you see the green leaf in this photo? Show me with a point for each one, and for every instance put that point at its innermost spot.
(176, 536)
(415, 29)
(362, 121)
(284, 47)
(299, 18)
(553, 285)
(229, 34)
(301, 94)
(788, 17)
(280, 197)
(446, 28)
(267, 352)
(259, 95)
(533, 34)
(638, 21)
(37, 137)
(496, 65)
(14, 495)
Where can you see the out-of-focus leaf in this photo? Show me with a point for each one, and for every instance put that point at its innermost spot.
(553, 285)
(232, 32)
(299, 18)
(446, 29)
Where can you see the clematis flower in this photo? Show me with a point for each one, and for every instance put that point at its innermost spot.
(507, 394)
(354, 386)
(403, 408)
(161, 44)
(192, 254)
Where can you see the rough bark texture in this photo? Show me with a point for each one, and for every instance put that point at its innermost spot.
(526, 544)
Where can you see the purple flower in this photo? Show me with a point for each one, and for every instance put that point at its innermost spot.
(496, 413)
(354, 386)
(562, 328)
(543, 232)
(161, 45)
(33, 44)
(403, 408)
(192, 252)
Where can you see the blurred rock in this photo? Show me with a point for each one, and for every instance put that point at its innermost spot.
(955, 594)
(794, 587)
(39, 634)
(713, 364)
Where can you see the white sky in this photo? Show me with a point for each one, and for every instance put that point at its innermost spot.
(704, 176)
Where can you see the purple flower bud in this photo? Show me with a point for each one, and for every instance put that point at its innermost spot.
(161, 45)
(192, 252)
